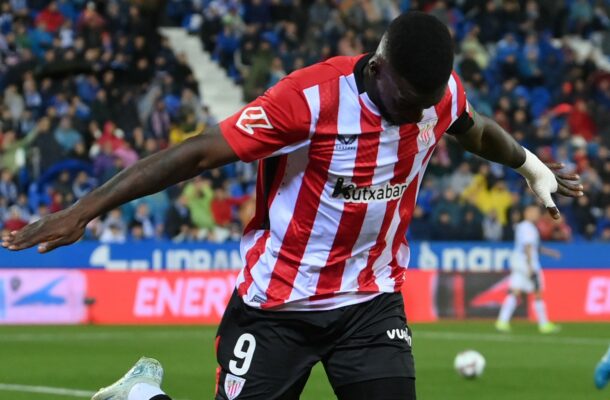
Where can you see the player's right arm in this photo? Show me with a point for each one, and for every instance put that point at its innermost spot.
(269, 125)
(149, 175)
(528, 249)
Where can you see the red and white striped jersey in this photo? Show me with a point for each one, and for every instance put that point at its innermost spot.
(336, 188)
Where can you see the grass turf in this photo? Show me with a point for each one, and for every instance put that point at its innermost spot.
(522, 364)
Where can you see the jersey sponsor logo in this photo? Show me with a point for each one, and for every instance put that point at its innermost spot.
(253, 117)
(259, 299)
(233, 386)
(400, 334)
(426, 131)
(346, 142)
(350, 193)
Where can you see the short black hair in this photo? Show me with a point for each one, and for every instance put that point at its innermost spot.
(420, 48)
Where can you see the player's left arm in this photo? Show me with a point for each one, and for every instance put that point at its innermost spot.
(484, 137)
(547, 251)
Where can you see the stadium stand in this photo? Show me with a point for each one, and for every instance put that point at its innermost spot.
(85, 94)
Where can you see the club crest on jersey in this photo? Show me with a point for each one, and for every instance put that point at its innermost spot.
(426, 131)
(253, 117)
(233, 386)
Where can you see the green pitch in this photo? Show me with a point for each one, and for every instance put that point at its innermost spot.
(523, 365)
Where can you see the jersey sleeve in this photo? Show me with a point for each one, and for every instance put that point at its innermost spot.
(272, 124)
(461, 111)
(527, 235)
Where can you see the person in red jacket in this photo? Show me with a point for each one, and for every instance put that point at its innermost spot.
(51, 17)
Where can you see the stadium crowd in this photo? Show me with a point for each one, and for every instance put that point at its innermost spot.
(89, 88)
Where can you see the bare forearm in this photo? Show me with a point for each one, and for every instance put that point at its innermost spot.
(155, 173)
(490, 141)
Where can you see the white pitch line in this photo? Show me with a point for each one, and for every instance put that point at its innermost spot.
(501, 337)
(101, 336)
(46, 390)
(86, 394)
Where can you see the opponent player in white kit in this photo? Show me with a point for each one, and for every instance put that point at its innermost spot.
(343, 146)
(526, 272)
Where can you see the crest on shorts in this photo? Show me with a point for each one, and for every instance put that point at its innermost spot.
(426, 131)
(233, 386)
(253, 117)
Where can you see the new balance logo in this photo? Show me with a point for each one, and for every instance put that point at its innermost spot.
(401, 334)
(346, 142)
(353, 194)
(253, 117)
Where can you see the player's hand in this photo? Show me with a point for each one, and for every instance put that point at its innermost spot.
(548, 181)
(567, 185)
(52, 231)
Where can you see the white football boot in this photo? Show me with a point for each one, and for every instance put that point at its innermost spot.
(146, 370)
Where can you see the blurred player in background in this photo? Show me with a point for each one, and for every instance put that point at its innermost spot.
(602, 371)
(526, 272)
(344, 145)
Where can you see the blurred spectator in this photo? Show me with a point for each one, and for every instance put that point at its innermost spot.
(8, 188)
(144, 219)
(444, 228)
(178, 219)
(66, 135)
(470, 226)
(48, 150)
(199, 195)
(553, 230)
(113, 229)
(51, 17)
(492, 227)
(585, 220)
(14, 220)
(420, 226)
(83, 184)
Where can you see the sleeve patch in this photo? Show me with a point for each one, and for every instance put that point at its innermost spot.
(253, 117)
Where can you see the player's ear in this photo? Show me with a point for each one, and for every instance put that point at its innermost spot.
(374, 67)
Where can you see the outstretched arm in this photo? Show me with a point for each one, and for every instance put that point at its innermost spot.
(484, 137)
(147, 176)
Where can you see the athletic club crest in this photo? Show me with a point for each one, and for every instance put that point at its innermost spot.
(233, 386)
(426, 131)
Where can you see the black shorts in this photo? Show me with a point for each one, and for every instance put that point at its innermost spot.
(269, 354)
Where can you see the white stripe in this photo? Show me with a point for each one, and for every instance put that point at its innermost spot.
(46, 390)
(328, 216)
(369, 104)
(454, 98)
(312, 95)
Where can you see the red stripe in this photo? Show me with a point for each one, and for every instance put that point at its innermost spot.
(305, 210)
(407, 204)
(252, 257)
(461, 94)
(353, 214)
(408, 135)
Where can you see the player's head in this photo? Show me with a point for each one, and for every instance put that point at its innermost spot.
(411, 66)
(532, 213)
